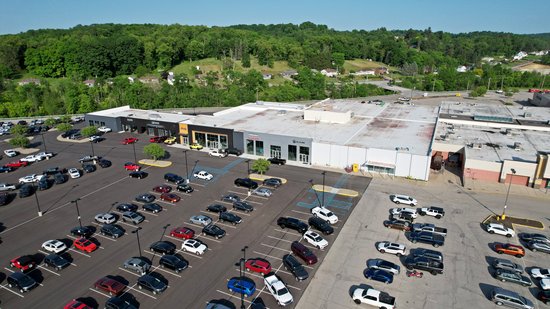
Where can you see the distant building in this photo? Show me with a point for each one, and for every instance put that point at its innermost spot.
(329, 72)
(520, 55)
(289, 73)
(267, 76)
(539, 53)
(131, 79)
(364, 72)
(27, 81)
(149, 80)
(541, 99)
(89, 82)
(170, 78)
(381, 71)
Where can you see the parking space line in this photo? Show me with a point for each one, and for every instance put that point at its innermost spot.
(287, 232)
(209, 238)
(165, 271)
(130, 272)
(195, 225)
(290, 241)
(226, 225)
(271, 256)
(11, 271)
(98, 292)
(109, 238)
(46, 253)
(174, 238)
(53, 272)
(301, 212)
(240, 212)
(167, 203)
(233, 296)
(241, 193)
(273, 247)
(197, 184)
(139, 291)
(189, 253)
(260, 197)
(81, 253)
(7, 289)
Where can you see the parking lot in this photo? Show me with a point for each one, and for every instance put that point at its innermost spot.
(23, 232)
(468, 251)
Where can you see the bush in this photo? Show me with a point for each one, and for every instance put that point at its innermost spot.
(19, 129)
(50, 122)
(65, 119)
(64, 127)
(478, 91)
(154, 150)
(19, 141)
(261, 166)
(89, 131)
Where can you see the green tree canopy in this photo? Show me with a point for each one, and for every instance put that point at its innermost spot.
(19, 141)
(64, 127)
(19, 129)
(154, 151)
(261, 166)
(89, 131)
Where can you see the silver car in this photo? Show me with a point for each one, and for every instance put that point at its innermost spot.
(137, 264)
(539, 246)
(511, 299)
(510, 276)
(106, 218)
(201, 220)
(507, 265)
(265, 192)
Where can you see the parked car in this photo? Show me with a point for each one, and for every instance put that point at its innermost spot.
(157, 139)
(145, 198)
(130, 166)
(295, 267)
(216, 208)
(170, 197)
(11, 153)
(184, 188)
(6, 169)
(258, 265)
(398, 224)
(110, 285)
(265, 192)
(503, 297)
(88, 158)
(539, 246)
(411, 212)
(510, 249)
(196, 146)
(84, 244)
(427, 238)
(26, 190)
(204, 175)
(428, 253)
(201, 220)
(544, 296)
(540, 273)
(23, 263)
(31, 178)
(151, 283)
(152, 207)
(511, 276)
(82, 231)
(315, 239)
(243, 285)
(324, 214)
(428, 227)
(272, 182)
(527, 237)
(303, 252)
(133, 217)
(391, 247)
(54, 246)
(22, 282)
(105, 218)
(104, 129)
(278, 289)
(170, 140)
(214, 231)
(173, 262)
(173, 178)
(182, 232)
(220, 153)
(162, 189)
(292, 223)
(193, 246)
(96, 138)
(433, 211)
(277, 161)
(384, 265)
(53, 171)
(59, 178)
(16, 164)
(89, 168)
(246, 182)
(233, 151)
(123, 207)
(373, 298)
(230, 198)
(138, 264)
(56, 261)
(243, 206)
(163, 247)
(74, 173)
(230, 217)
(500, 229)
(422, 263)
(321, 225)
(129, 140)
(104, 163)
(378, 275)
(403, 199)
(112, 230)
(139, 174)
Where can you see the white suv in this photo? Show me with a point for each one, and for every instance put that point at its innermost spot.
(390, 247)
(324, 214)
(203, 175)
(495, 228)
(403, 199)
(398, 211)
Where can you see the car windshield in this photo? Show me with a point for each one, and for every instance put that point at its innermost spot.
(195, 244)
(545, 272)
(282, 291)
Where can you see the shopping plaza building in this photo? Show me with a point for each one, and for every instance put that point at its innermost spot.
(490, 142)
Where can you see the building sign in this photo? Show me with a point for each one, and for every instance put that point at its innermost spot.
(155, 122)
(253, 137)
(128, 119)
(184, 130)
(298, 142)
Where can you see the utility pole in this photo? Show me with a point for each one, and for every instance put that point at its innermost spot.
(489, 84)
(542, 84)
(433, 85)
(501, 82)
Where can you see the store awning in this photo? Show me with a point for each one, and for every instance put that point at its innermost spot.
(380, 164)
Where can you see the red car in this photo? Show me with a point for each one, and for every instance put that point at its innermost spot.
(110, 285)
(170, 197)
(84, 244)
(182, 232)
(23, 263)
(75, 304)
(17, 164)
(129, 166)
(129, 140)
(162, 189)
(157, 139)
(258, 265)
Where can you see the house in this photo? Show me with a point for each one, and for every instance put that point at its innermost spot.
(289, 73)
(89, 82)
(381, 71)
(267, 76)
(520, 55)
(27, 81)
(329, 72)
(462, 69)
(149, 80)
(170, 78)
(364, 72)
(539, 53)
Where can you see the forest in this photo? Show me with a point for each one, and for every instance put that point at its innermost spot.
(109, 53)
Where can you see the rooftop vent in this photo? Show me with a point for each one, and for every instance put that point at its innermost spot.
(517, 146)
(527, 115)
(492, 145)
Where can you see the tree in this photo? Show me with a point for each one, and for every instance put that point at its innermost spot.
(478, 91)
(154, 150)
(19, 141)
(65, 119)
(19, 129)
(50, 122)
(89, 131)
(64, 127)
(246, 60)
(261, 166)
(338, 59)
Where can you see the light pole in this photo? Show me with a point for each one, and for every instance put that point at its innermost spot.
(247, 167)
(314, 191)
(186, 167)
(77, 210)
(164, 231)
(324, 173)
(242, 261)
(37, 203)
(92, 144)
(134, 146)
(507, 194)
(136, 231)
(44, 142)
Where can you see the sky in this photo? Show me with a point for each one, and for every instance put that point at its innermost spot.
(455, 16)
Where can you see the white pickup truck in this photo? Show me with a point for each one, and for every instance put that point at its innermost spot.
(6, 187)
(428, 227)
(220, 153)
(374, 298)
(278, 289)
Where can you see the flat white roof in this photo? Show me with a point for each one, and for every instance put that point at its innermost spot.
(126, 111)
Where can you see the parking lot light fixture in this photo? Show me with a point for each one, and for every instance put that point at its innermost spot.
(44, 143)
(136, 231)
(37, 203)
(164, 231)
(77, 211)
(507, 194)
(92, 144)
(186, 167)
(314, 191)
(323, 204)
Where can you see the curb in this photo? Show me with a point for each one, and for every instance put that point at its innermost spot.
(260, 177)
(338, 191)
(155, 163)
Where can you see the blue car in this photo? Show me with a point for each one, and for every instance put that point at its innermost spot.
(241, 285)
(379, 275)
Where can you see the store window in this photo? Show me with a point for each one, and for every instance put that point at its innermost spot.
(150, 131)
(292, 151)
(212, 141)
(304, 154)
(275, 151)
(91, 122)
(200, 138)
(102, 123)
(223, 141)
(260, 148)
(249, 147)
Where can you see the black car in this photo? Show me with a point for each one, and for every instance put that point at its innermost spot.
(233, 151)
(152, 207)
(59, 178)
(21, 281)
(214, 231)
(56, 261)
(6, 169)
(116, 302)
(422, 263)
(43, 184)
(26, 190)
(242, 205)
(145, 198)
(230, 198)
(88, 168)
(169, 177)
(435, 240)
(53, 171)
(112, 230)
(4, 198)
(258, 303)
(321, 225)
(184, 188)
(216, 208)
(126, 207)
(163, 247)
(291, 264)
(173, 262)
(292, 223)
(138, 174)
(82, 231)
(273, 182)
(104, 163)
(151, 283)
(277, 161)
(230, 217)
(246, 182)
(69, 133)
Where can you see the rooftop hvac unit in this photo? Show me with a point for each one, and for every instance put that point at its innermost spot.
(527, 115)
(517, 146)
(477, 145)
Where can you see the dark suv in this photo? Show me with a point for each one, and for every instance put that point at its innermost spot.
(233, 151)
(296, 268)
(321, 225)
(126, 207)
(174, 178)
(214, 231)
(230, 217)
(242, 205)
(303, 252)
(26, 190)
(21, 281)
(277, 161)
(246, 182)
(292, 223)
(59, 178)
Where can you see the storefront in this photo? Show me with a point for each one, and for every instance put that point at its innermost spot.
(149, 127)
(208, 137)
(278, 146)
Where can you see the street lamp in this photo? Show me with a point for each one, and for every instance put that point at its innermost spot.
(77, 210)
(92, 144)
(37, 203)
(44, 142)
(164, 231)
(324, 173)
(134, 146)
(186, 166)
(242, 261)
(315, 191)
(136, 231)
(507, 193)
